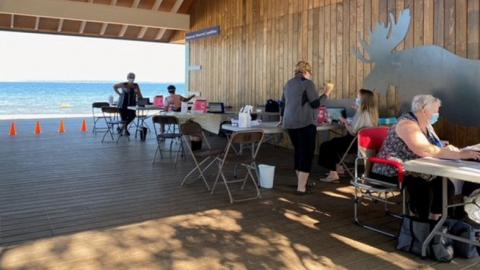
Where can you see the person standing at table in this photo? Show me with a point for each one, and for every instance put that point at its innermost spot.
(299, 115)
(129, 93)
(174, 101)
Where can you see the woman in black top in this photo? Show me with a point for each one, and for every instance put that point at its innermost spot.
(129, 93)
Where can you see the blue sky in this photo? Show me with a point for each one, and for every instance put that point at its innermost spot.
(40, 57)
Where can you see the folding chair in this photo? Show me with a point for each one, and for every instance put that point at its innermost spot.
(98, 115)
(112, 121)
(171, 131)
(246, 160)
(201, 158)
(370, 189)
(343, 159)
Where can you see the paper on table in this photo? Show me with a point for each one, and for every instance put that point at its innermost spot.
(473, 147)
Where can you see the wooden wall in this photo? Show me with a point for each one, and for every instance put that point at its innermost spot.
(261, 40)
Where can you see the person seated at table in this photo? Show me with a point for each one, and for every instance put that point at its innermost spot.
(174, 101)
(330, 152)
(414, 137)
(129, 93)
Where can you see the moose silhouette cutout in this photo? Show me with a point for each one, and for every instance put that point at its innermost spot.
(422, 70)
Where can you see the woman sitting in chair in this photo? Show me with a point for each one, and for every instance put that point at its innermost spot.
(413, 137)
(332, 151)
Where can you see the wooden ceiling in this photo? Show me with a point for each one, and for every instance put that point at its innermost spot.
(55, 23)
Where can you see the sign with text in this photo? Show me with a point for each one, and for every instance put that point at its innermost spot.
(208, 32)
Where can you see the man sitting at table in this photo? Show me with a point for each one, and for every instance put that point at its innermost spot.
(174, 101)
(411, 138)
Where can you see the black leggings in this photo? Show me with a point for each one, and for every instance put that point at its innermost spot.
(303, 140)
(331, 151)
(127, 116)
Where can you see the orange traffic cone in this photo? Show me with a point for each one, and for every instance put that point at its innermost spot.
(84, 126)
(13, 130)
(61, 129)
(38, 128)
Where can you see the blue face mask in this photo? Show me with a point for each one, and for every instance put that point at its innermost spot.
(434, 118)
(358, 102)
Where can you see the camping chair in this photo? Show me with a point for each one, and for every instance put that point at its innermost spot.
(203, 159)
(97, 115)
(171, 131)
(375, 190)
(246, 160)
(112, 121)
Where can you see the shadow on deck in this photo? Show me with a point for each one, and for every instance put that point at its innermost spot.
(68, 201)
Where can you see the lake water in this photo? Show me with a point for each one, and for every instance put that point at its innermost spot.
(57, 98)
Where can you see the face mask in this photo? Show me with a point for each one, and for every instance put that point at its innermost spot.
(130, 80)
(358, 102)
(434, 118)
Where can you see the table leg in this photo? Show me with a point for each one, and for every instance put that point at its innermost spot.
(439, 225)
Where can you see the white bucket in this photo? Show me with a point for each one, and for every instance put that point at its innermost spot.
(267, 174)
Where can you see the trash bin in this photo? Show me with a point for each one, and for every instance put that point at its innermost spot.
(267, 174)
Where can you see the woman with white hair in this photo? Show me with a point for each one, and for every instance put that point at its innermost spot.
(413, 137)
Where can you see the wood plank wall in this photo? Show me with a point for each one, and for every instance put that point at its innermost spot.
(261, 40)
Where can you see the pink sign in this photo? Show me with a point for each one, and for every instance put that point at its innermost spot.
(200, 105)
(322, 116)
(158, 101)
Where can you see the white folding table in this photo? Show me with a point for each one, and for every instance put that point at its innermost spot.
(455, 169)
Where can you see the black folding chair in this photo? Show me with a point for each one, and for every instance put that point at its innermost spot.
(203, 159)
(113, 122)
(172, 132)
(245, 159)
(97, 115)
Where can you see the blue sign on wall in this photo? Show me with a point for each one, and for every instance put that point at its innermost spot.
(208, 32)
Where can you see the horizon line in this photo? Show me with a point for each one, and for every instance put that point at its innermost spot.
(85, 81)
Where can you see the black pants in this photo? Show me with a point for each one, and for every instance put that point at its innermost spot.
(424, 197)
(332, 151)
(127, 116)
(303, 140)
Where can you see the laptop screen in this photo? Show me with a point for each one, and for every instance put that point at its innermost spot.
(215, 107)
(336, 113)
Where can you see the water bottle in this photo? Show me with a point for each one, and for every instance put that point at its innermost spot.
(110, 100)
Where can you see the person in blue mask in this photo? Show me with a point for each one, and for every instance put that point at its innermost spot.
(414, 137)
(330, 152)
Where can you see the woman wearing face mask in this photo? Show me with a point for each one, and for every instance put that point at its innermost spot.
(413, 137)
(174, 101)
(330, 152)
(129, 93)
(299, 116)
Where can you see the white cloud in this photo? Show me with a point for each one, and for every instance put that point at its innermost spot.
(41, 57)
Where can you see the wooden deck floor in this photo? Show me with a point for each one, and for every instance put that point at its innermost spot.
(70, 202)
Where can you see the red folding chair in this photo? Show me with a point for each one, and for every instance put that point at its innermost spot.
(367, 188)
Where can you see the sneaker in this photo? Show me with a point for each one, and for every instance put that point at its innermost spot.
(331, 178)
(340, 169)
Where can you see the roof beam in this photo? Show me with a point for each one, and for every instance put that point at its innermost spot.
(174, 9)
(105, 25)
(60, 25)
(37, 23)
(73, 10)
(124, 27)
(156, 6)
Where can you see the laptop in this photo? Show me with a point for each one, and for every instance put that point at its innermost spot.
(216, 107)
(336, 113)
(142, 102)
